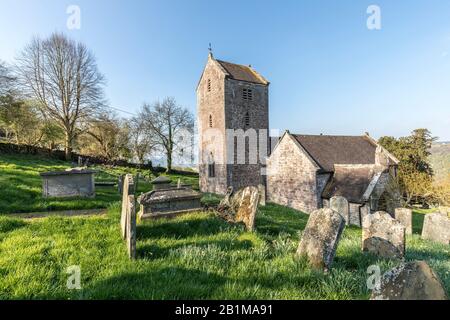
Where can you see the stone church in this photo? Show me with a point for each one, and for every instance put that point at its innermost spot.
(299, 171)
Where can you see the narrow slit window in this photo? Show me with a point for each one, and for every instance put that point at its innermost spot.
(247, 94)
(210, 121)
(209, 85)
(247, 119)
(212, 170)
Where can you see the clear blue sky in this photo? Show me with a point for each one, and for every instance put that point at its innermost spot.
(329, 74)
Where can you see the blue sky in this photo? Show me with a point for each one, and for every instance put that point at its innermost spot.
(329, 73)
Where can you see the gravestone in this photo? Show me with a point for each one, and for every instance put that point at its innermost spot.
(75, 182)
(321, 237)
(410, 281)
(246, 201)
(120, 183)
(383, 235)
(436, 227)
(131, 227)
(128, 189)
(262, 194)
(340, 205)
(404, 215)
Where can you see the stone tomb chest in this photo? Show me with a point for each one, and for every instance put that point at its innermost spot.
(168, 200)
(77, 182)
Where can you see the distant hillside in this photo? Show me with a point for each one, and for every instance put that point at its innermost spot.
(440, 159)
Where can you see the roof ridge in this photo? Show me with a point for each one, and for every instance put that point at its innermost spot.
(328, 135)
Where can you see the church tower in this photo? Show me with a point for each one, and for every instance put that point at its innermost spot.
(233, 123)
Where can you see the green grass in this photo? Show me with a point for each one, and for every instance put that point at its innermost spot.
(21, 185)
(196, 256)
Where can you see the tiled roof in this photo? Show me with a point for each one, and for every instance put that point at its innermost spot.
(350, 182)
(242, 73)
(330, 150)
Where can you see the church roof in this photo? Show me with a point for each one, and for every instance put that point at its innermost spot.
(327, 151)
(242, 73)
(351, 182)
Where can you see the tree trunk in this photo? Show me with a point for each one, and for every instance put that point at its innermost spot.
(169, 162)
(68, 147)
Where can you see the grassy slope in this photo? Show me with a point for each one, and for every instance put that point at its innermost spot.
(192, 257)
(21, 185)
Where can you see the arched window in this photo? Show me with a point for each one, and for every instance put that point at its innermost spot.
(247, 119)
(210, 121)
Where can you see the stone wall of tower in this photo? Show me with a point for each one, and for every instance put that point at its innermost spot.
(211, 103)
(237, 112)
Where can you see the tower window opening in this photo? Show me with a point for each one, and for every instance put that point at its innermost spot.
(247, 119)
(209, 85)
(210, 121)
(247, 94)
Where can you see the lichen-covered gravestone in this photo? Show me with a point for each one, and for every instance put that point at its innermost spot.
(246, 201)
(241, 206)
(410, 281)
(340, 205)
(404, 215)
(131, 227)
(321, 237)
(436, 227)
(128, 189)
(383, 235)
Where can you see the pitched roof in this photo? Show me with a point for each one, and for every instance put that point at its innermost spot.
(351, 182)
(242, 73)
(327, 151)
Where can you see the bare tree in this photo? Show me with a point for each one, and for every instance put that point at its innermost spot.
(62, 75)
(141, 141)
(164, 123)
(7, 81)
(106, 136)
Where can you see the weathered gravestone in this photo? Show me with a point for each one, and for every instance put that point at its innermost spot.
(340, 205)
(240, 207)
(247, 201)
(405, 217)
(320, 237)
(262, 195)
(131, 227)
(128, 189)
(120, 183)
(436, 227)
(75, 182)
(383, 235)
(410, 281)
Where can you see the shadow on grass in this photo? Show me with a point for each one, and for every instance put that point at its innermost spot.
(157, 252)
(9, 225)
(163, 283)
(417, 222)
(179, 229)
(274, 219)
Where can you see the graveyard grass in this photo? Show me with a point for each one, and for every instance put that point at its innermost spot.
(196, 256)
(21, 185)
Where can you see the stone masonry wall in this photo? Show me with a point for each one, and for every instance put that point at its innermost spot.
(236, 108)
(291, 179)
(211, 103)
